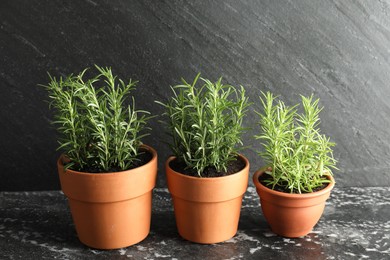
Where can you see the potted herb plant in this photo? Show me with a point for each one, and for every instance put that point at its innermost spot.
(297, 180)
(105, 170)
(207, 177)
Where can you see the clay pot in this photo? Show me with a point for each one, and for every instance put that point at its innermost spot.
(111, 210)
(291, 215)
(207, 210)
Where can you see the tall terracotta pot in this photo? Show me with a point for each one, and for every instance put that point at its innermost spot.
(291, 215)
(111, 210)
(207, 210)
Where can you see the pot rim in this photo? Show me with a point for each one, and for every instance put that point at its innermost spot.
(260, 186)
(109, 187)
(207, 190)
(148, 148)
(210, 179)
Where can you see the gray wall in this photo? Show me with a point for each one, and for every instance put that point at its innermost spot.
(338, 50)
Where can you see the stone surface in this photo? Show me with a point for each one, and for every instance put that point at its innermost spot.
(337, 50)
(355, 225)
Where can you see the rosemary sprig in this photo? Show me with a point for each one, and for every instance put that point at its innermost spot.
(98, 131)
(205, 123)
(299, 155)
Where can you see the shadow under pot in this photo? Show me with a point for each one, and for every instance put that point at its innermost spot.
(111, 210)
(288, 214)
(207, 210)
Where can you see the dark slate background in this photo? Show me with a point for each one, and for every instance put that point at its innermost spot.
(338, 50)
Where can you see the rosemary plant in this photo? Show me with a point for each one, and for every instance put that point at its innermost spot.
(206, 123)
(298, 154)
(98, 131)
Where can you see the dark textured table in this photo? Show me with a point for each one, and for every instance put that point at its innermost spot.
(355, 225)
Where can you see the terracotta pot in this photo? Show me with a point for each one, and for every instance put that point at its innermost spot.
(291, 215)
(207, 210)
(111, 210)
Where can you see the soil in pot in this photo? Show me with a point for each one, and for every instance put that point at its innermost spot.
(282, 188)
(143, 157)
(210, 172)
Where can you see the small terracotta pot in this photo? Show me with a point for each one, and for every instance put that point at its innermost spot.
(291, 215)
(207, 210)
(111, 210)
